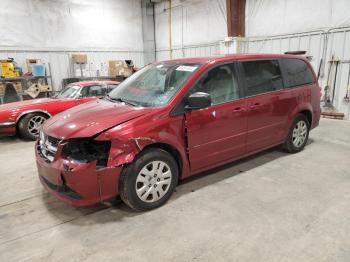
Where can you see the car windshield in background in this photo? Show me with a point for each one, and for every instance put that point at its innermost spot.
(69, 91)
(154, 85)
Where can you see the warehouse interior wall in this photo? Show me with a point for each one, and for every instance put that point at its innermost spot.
(271, 17)
(196, 26)
(73, 24)
(322, 30)
(53, 30)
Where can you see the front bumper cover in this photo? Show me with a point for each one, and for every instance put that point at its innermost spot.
(75, 183)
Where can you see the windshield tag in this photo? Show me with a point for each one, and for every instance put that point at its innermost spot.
(186, 68)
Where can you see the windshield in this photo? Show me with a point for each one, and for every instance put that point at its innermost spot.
(69, 91)
(154, 85)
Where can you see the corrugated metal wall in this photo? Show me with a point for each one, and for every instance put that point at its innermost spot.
(320, 45)
(209, 49)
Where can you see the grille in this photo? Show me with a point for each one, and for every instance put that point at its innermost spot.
(53, 141)
(48, 146)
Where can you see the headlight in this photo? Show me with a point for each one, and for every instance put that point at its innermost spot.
(87, 150)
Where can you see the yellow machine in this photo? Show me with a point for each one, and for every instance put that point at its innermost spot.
(8, 68)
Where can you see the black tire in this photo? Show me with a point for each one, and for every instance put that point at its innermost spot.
(291, 146)
(129, 175)
(24, 124)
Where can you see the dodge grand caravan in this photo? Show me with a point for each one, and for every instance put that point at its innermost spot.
(174, 119)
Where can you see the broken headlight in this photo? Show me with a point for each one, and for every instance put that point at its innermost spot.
(87, 150)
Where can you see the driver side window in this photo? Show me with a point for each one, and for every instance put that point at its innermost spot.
(95, 90)
(221, 83)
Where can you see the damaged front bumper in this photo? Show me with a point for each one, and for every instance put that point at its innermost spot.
(77, 184)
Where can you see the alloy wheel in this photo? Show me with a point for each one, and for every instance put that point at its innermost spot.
(35, 124)
(299, 133)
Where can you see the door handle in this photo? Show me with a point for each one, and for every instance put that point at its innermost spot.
(255, 106)
(239, 109)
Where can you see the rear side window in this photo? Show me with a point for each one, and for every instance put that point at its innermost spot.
(262, 76)
(95, 90)
(297, 72)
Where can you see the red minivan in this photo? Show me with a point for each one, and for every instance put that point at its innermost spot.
(174, 119)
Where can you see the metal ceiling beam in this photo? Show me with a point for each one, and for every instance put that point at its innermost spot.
(235, 17)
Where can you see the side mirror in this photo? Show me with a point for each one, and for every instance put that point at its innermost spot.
(198, 100)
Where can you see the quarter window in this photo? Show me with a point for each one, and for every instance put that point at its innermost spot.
(262, 76)
(297, 72)
(221, 83)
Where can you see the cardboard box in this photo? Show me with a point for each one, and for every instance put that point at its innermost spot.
(120, 68)
(116, 64)
(113, 72)
(79, 58)
(31, 62)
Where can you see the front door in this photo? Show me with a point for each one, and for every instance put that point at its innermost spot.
(217, 134)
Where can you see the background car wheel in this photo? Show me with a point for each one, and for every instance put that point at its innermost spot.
(29, 126)
(149, 181)
(298, 135)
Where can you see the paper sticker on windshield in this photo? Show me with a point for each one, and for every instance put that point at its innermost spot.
(186, 68)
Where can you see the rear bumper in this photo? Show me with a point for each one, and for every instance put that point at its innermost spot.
(77, 184)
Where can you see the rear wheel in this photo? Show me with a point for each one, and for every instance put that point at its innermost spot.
(298, 135)
(149, 181)
(30, 125)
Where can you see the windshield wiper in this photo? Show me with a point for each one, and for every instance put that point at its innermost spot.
(121, 100)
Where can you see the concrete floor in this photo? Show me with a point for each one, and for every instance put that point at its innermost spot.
(270, 207)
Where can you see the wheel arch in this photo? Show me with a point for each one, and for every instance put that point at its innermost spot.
(308, 114)
(171, 150)
(23, 114)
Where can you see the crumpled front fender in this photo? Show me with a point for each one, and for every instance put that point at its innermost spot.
(124, 152)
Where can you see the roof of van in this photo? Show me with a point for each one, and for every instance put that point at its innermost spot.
(231, 57)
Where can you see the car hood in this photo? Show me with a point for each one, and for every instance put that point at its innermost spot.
(90, 119)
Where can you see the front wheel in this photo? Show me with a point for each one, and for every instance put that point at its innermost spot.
(298, 135)
(149, 181)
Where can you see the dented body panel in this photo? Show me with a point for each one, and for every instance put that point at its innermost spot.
(83, 179)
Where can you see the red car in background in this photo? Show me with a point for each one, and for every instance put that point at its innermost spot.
(26, 117)
(173, 119)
